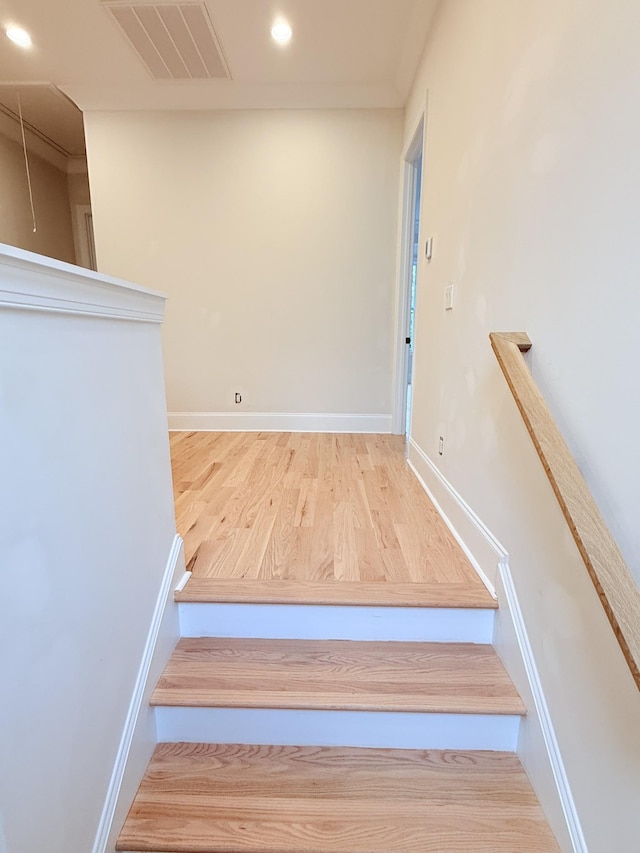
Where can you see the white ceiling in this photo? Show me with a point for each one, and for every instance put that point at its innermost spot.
(344, 53)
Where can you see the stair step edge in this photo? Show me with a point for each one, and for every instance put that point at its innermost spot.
(267, 701)
(337, 593)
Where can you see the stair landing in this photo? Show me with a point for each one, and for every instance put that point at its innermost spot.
(206, 798)
(309, 507)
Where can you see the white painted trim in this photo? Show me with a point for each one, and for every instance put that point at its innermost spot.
(374, 729)
(494, 563)
(81, 236)
(277, 422)
(32, 282)
(330, 622)
(417, 139)
(539, 715)
(141, 687)
(406, 204)
(435, 484)
(184, 580)
(400, 371)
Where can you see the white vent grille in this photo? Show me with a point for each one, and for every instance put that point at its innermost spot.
(175, 41)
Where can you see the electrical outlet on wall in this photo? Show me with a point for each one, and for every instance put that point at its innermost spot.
(238, 397)
(441, 445)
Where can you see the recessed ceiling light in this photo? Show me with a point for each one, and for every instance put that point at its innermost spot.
(281, 32)
(19, 36)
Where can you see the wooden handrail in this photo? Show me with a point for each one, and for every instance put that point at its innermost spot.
(614, 583)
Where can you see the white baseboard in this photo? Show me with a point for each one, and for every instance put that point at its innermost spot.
(537, 747)
(139, 734)
(481, 547)
(277, 422)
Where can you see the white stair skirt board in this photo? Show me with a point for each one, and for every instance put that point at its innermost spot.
(138, 736)
(382, 729)
(475, 539)
(277, 422)
(537, 747)
(337, 622)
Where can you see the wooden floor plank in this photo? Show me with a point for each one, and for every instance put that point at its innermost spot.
(204, 798)
(342, 675)
(341, 484)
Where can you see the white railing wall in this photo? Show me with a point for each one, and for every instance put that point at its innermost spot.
(87, 541)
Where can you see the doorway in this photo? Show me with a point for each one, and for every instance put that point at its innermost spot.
(413, 272)
(409, 270)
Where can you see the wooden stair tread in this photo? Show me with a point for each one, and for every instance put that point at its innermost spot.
(337, 675)
(356, 593)
(206, 798)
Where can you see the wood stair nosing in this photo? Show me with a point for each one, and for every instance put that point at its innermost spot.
(202, 590)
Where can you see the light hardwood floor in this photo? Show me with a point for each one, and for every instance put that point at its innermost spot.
(308, 507)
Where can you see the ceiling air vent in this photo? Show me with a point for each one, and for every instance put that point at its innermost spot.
(174, 40)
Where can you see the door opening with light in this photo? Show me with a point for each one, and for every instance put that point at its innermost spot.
(412, 242)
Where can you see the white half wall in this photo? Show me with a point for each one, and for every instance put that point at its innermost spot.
(274, 235)
(86, 532)
(530, 173)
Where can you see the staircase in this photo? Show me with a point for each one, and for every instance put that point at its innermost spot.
(335, 718)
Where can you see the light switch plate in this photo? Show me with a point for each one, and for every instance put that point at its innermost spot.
(428, 248)
(448, 297)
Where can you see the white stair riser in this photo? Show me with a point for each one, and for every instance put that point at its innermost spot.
(338, 728)
(330, 622)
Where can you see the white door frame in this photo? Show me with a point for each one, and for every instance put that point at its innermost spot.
(83, 236)
(407, 208)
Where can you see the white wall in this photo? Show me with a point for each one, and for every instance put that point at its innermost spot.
(530, 190)
(86, 528)
(274, 235)
(54, 236)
